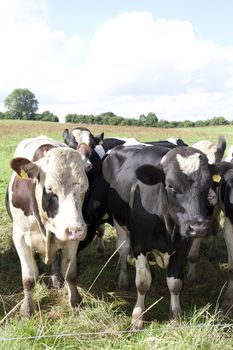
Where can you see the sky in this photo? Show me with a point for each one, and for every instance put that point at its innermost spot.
(170, 57)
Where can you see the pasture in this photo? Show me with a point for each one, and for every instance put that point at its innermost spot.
(104, 320)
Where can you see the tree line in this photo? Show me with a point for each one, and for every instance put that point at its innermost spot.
(22, 104)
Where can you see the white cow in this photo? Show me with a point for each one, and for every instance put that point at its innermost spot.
(45, 198)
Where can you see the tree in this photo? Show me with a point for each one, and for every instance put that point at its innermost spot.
(151, 119)
(47, 116)
(21, 104)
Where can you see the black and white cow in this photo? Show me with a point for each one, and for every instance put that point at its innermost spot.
(226, 203)
(157, 198)
(214, 154)
(45, 198)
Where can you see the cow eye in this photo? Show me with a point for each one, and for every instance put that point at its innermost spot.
(172, 189)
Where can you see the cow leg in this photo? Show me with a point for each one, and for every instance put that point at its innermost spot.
(143, 282)
(55, 280)
(193, 257)
(123, 246)
(100, 241)
(175, 275)
(227, 305)
(69, 271)
(29, 272)
(215, 226)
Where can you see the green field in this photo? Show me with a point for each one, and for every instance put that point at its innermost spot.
(104, 321)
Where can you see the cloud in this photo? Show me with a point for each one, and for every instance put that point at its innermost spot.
(133, 64)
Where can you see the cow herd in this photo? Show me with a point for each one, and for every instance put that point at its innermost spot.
(162, 197)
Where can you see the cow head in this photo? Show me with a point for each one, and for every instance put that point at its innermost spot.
(185, 178)
(60, 184)
(80, 136)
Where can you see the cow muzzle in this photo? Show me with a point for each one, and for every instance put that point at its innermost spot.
(198, 227)
(76, 233)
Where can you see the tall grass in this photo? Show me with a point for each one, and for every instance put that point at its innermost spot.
(104, 320)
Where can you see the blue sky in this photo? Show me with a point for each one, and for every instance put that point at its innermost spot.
(130, 57)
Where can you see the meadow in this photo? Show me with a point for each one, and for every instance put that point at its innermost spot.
(104, 320)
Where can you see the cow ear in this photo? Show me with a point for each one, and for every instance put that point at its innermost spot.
(99, 138)
(225, 170)
(25, 168)
(66, 136)
(149, 174)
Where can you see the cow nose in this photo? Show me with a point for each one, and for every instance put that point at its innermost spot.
(199, 227)
(76, 233)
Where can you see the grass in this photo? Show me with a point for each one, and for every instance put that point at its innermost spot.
(104, 321)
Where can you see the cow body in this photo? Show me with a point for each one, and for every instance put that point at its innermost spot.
(45, 198)
(157, 198)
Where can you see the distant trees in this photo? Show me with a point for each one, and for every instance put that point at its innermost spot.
(21, 104)
(109, 118)
(47, 116)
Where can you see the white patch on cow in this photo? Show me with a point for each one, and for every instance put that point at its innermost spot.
(100, 151)
(172, 140)
(27, 147)
(143, 282)
(207, 147)
(81, 136)
(190, 164)
(229, 156)
(174, 286)
(133, 142)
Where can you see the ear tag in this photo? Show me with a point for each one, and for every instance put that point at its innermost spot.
(105, 216)
(216, 178)
(23, 174)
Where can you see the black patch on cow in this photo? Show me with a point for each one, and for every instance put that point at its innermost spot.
(50, 203)
(226, 195)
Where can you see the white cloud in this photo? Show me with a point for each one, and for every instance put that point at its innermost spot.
(135, 64)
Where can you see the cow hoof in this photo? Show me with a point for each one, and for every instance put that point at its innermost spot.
(75, 300)
(55, 282)
(26, 309)
(137, 323)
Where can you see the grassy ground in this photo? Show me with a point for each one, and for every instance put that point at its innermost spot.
(104, 320)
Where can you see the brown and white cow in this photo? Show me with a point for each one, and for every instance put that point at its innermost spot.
(45, 198)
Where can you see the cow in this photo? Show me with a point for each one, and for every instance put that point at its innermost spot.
(226, 204)
(157, 198)
(44, 198)
(214, 154)
(93, 204)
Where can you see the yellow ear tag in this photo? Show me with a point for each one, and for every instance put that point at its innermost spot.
(23, 174)
(105, 216)
(216, 178)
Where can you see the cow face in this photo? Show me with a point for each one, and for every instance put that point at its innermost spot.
(60, 184)
(185, 179)
(80, 136)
